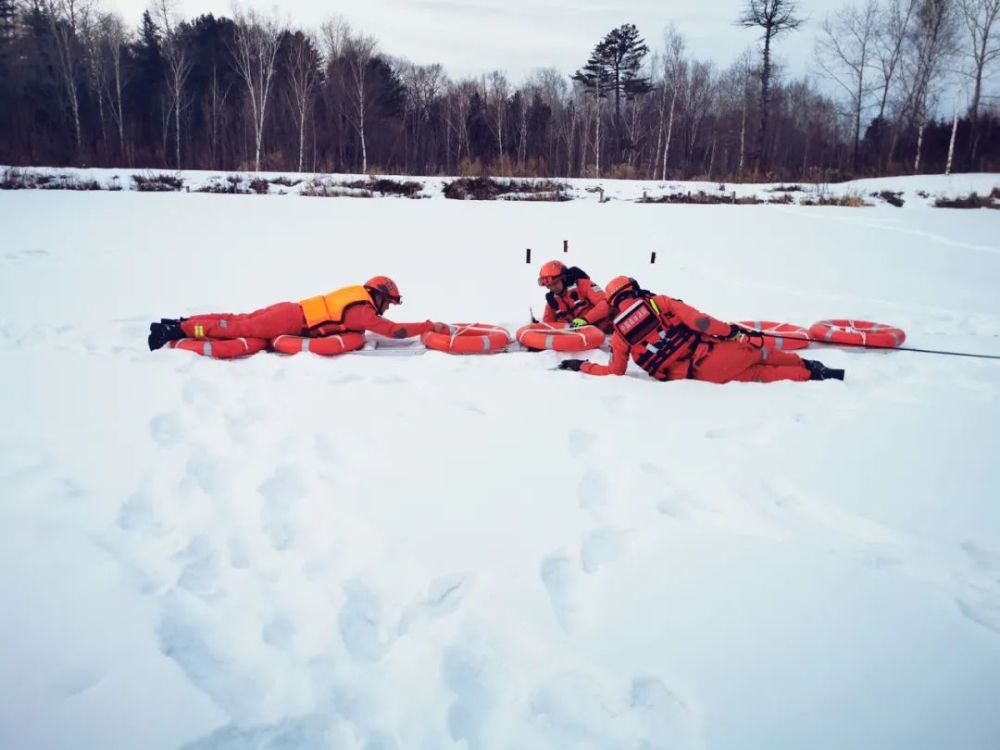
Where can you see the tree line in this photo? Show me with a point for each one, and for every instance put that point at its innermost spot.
(79, 87)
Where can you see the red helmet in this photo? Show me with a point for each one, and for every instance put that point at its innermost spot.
(550, 272)
(386, 287)
(618, 286)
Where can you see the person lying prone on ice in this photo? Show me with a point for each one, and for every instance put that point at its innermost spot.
(672, 341)
(353, 309)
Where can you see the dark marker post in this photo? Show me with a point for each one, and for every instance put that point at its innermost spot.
(527, 255)
(565, 246)
(652, 258)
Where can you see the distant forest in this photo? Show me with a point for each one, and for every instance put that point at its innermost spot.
(912, 79)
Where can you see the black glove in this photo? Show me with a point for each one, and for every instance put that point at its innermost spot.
(572, 364)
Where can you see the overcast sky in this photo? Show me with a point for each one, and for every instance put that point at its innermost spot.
(472, 37)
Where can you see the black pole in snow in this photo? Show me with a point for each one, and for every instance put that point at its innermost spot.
(652, 258)
(565, 246)
(527, 255)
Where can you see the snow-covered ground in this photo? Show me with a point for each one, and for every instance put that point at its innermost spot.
(381, 552)
(919, 191)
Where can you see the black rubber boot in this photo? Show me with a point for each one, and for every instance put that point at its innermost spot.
(819, 371)
(161, 333)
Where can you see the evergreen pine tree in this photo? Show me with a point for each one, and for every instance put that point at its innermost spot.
(481, 140)
(146, 89)
(615, 65)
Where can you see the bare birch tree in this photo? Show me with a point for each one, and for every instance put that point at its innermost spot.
(844, 52)
(335, 34)
(302, 73)
(64, 18)
(932, 43)
(178, 67)
(497, 92)
(89, 31)
(113, 38)
(895, 21)
(979, 17)
(254, 51)
(360, 52)
(674, 75)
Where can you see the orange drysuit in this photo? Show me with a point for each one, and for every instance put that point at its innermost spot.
(580, 298)
(350, 309)
(671, 341)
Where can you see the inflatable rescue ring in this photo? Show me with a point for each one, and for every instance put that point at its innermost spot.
(468, 338)
(221, 348)
(787, 336)
(560, 338)
(324, 346)
(857, 333)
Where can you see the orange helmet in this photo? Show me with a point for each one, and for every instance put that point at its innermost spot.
(618, 286)
(550, 272)
(386, 287)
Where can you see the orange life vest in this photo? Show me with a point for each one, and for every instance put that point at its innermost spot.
(330, 308)
(574, 302)
(655, 342)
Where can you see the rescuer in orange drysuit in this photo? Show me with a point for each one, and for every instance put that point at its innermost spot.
(673, 341)
(351, 309)
(573, 298)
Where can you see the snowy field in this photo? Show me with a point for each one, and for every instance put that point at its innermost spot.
(428, 552)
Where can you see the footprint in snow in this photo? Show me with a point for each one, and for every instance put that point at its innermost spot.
(278, 631)
(281, 491)
(79, 681)
(465, 672)
(575, 710)
(183, 640)
(381, 741)
(979, 598)
(238, 557)
(359, 621)
(580, 442)
(200, 574)
(592, 491)
(444, 596)
(136, 514)
(165, 429)
(204, 472)
(200, 394)
(313, 731)
(600, 547)
(559, 578)
(678, 505)
(667, 721)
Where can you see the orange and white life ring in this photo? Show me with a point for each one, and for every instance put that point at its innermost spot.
(468, 338)
(857, 333)
(559, 337)
(787, 336)
(221, 348)
(324, 346)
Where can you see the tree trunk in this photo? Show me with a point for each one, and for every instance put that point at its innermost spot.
(597, 143)
(920, 147)
(765, 86)
(670, 133)
(177, 127)
(951, 144)
(302, 137)
(743, 137)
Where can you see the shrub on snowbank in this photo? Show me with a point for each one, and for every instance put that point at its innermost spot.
(972, 200)
(489, 189)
